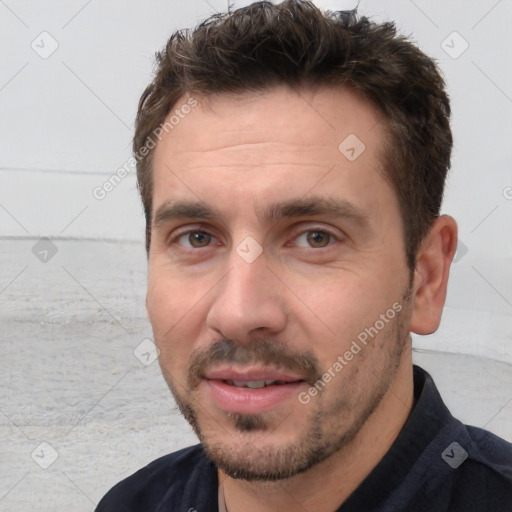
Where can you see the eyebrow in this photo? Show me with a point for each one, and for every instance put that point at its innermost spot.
(178, 210)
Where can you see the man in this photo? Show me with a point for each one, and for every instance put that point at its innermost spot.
(291, 165)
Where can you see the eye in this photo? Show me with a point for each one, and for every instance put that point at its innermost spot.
(315, 238)
(194, 239)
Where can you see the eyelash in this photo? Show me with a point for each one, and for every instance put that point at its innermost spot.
(313, 229)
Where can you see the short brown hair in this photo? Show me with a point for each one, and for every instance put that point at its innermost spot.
(263, 45)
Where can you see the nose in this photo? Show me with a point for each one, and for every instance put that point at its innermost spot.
(249, 300)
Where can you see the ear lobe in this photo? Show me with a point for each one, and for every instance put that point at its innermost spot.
(431, 275)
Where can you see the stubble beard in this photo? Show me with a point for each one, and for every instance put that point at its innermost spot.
(330, 426)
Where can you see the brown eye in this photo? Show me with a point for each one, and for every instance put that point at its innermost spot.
(196, 239)
(318, 238)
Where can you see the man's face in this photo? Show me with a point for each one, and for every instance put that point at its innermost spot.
(274, 256)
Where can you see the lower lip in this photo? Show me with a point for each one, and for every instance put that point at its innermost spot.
(251, 401)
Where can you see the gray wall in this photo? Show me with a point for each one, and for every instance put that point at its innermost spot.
(82, 403)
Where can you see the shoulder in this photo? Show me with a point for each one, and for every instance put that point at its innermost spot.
(490, 454)
(168, 479)
(490, 449)
(484, 480)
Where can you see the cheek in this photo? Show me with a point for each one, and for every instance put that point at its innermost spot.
(339, 310)
(169, 299)
(174, 313)
(161, 305)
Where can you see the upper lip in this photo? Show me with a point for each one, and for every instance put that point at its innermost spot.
(250, 374)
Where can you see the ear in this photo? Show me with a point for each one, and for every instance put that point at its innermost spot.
(433, 262)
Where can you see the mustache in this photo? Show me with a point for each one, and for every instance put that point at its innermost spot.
(259, 350)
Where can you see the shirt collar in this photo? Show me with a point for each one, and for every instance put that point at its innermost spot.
(428, 416)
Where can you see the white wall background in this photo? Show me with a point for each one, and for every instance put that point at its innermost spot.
(70, 327)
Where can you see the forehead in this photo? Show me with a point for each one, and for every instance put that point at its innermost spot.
(274, 144)
(306, 117)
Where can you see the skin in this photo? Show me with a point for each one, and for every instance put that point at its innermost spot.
(307, 294)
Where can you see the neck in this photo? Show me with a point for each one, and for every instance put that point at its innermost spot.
(328, 484)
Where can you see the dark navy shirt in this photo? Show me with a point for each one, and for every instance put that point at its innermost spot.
(436, 464)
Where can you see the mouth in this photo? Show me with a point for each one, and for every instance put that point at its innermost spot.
(258, 384)
(251, 391)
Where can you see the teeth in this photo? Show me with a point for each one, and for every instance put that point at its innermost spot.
(253, 384)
